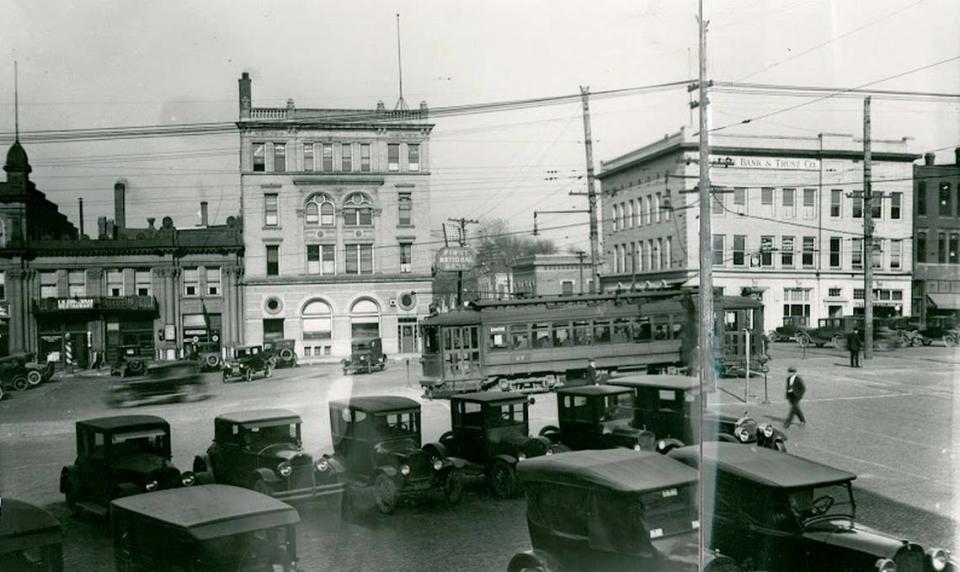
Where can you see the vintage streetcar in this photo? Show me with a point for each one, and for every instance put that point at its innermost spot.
(489, 436)
(669, 405)
(776, 511)
(207, 528)
(612, 510)
(537, 344)
(31, 539)
(262, 450)
(118, 457)
(165, 380)
(377, 449)
(597, 417)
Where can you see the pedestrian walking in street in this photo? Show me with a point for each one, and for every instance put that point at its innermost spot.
(854, 344)
(795, 391)
(593, 377)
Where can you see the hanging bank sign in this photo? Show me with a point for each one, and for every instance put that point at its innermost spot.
(774, 163)
(454, 258)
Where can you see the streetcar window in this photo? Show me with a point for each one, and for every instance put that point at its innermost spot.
(519, 337)
(447, 339)
(498, 338)
(472, 338)
(621, 330)
(601, 332)
(641, 331)
(430, 341)
(661, 328)
(730, 322)
(457, 339)
(561, 334)
(676, 327)
(541, 336)
(582, 333)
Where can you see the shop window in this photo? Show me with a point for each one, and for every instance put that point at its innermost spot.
(327, 149)
(321, 259)
(143, 282)
(365, 319)
(273, 259)
(279, 157)
(317, 321)
(272, 329)
(271, 209)
(76, 283)
(393, 157)
(259, 157)
(357, 210)
(308, 156)
(405, 208)
(406, 257)
(191, 282)
(213, 281)
(346, 157)
(413, 157)
(365, 157)
(359, 259)
(115, 283)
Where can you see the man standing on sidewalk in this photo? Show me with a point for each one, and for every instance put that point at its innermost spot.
(854, 344)
(795, 391)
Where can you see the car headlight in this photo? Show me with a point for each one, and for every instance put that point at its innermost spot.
(886, 565)
(938, 558)
(521, 456)
(284, 469)
(322, 465)
(767, 430)
(151, 485)
(661, 445)
(636, 446)
(188, 479)
(437, 464)
(404, 470)
(742, 435)
(549, 452)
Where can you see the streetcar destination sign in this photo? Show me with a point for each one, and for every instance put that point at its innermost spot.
(455, 258)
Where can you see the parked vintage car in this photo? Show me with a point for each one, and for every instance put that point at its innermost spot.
(773, 511)
(366, 356)
(834, 331)
(669, 405)
(19, 372)
(118, 457)
(247, 361)
(130, 361)
(204, 528)
(262, 450)
(490, 434)
(285, 352)
(597, 417)
(785, 333)
(163, 380)
(612, 510)
(377, 448)
(208, 356)
(31, 539)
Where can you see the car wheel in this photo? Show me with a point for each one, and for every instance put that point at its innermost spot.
(213, 361)
(20, 382)
(949, 340)
(385, 493)
(34, 377)
(503, 480)
(527, 563)
(453, 486)
(927, 341)
(780, 446)
(225, 377)
(262, 487)
(248, 375)
(267, 371)
(839, 342)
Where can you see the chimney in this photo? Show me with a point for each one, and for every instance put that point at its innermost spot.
(80, 200)
(120, 204)
(203, 214)
(929, 159)
(246, 95)
(102, 227)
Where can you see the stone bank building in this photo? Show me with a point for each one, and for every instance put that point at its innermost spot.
(787, 221)
(76, 300)
(335, 209)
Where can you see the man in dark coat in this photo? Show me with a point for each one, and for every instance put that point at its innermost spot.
(795, 391)
(593, 376)
(854, 344)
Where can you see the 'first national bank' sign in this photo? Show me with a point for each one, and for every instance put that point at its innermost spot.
(774, 163)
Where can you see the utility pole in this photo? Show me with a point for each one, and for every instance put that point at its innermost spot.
(463, 222)
(867, 236)
(580, 254)
(591, 191)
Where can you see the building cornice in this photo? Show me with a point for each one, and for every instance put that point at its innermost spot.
(336, 279)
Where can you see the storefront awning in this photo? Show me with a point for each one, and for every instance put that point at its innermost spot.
(946, 301)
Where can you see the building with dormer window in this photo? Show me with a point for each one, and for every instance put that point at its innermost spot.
(335, 207)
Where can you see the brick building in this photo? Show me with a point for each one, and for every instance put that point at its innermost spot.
(335, 207)
(936, 216)
(551, 275)
(68, 297)
(786, 219)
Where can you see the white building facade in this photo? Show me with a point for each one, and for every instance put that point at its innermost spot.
(786, 216)
(335, 206)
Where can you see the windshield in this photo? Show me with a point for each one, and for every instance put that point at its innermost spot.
(617, 407)
(506, 415)
(267, 435)
(821, 504)
(153, 441)
(397, 425)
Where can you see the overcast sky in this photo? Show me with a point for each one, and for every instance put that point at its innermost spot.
(126, 62)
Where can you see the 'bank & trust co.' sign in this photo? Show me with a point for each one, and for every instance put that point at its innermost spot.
(781, 163)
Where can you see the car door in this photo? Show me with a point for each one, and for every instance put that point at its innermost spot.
(96, 481)
(234, 464)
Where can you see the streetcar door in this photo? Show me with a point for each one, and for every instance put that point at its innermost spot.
(461, 349)
(431, 360)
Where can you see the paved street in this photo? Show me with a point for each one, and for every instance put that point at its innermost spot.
(892, 422)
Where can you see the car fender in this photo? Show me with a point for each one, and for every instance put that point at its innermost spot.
(335, 464)
(532, 559)
(266, 475)
(388, 470)
(669, 444)
(437, 450)
(551, 432)
(66, 478)
(455, 462)
(508, 459)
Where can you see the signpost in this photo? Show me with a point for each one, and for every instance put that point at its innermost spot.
(455, 259)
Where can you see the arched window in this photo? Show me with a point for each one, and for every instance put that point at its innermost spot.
(365, 319)
(319, 209)
(357, 210)
(317, 320)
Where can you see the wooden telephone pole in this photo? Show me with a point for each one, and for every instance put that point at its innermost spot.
(591, 191)
(868, 199)
(463, 222)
